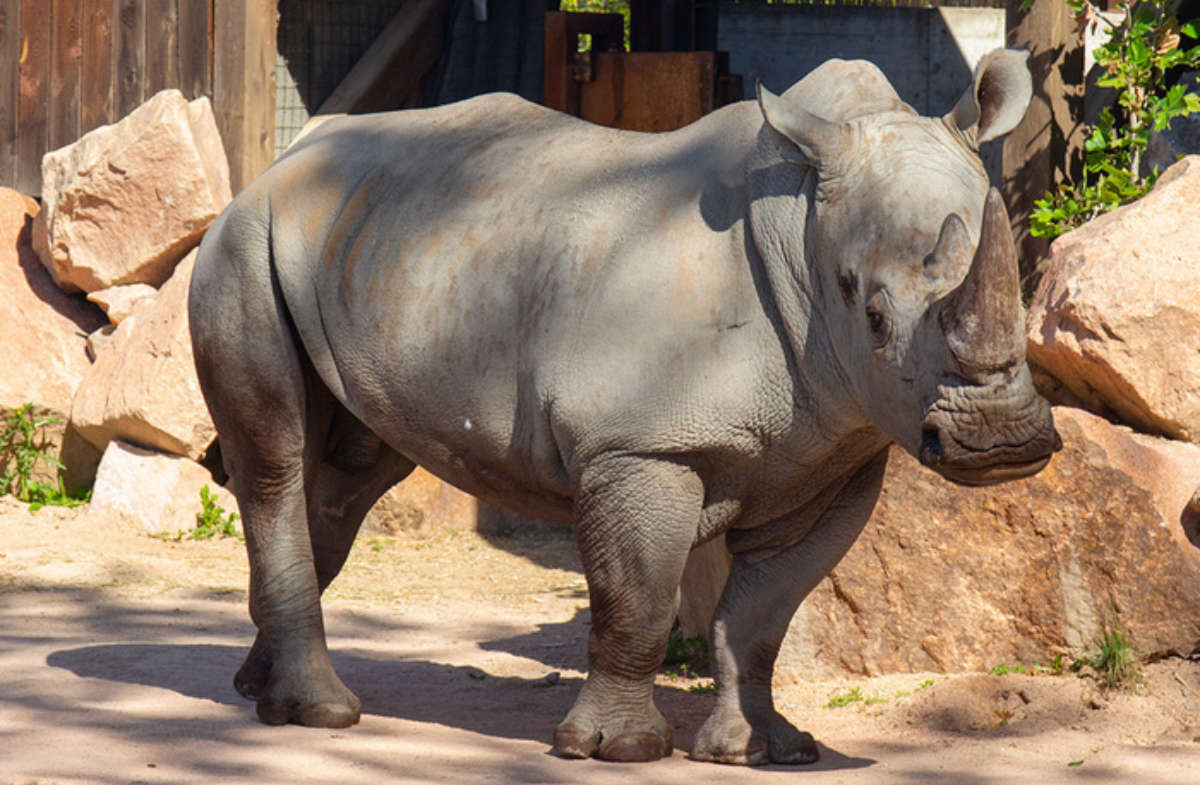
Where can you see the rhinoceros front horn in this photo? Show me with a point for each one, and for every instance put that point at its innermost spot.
(982, 318)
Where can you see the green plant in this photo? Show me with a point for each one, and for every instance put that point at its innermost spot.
(1002, 669)
(211, 521)
(707, 688)
(680, 671)
(1142, 47)
(846, 698)
(1113, 660)
(690, 652)
(23, 446)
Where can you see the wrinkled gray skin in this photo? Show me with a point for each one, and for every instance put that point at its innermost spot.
(658, 338)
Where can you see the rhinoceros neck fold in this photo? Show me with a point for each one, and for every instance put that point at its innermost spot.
(782, 195)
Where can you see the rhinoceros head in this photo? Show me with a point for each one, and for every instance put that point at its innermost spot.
(911, 266)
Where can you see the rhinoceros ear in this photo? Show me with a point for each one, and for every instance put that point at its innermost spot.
(819, 140)
(997, 98)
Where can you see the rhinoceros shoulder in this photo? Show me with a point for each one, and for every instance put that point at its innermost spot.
(846, 89)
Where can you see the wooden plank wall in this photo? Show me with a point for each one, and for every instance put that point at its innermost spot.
(244, 85)
(85, 63)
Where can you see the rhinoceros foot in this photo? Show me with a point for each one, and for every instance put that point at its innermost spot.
(615, 737)
(727, 737)
(318, 702)
(251, 678)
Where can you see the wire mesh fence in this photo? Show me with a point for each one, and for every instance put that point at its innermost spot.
(318, 42)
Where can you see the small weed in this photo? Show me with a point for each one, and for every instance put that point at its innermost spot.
(873, 699)
(925, 685)
(1113, 660)
(692, 652)
(1075, 763)
(1055, 668)
(707, 688)
(23, 447)
(682, 671)
(211, 521)
(902, 694)
(1002, 669)
(845, 699)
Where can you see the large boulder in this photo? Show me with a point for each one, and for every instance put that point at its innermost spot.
(125, 202)
(154, 492)
(143, 388)
(949, 578)
(1115, 321)
(43, 332)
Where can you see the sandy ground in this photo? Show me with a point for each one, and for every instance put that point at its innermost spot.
(117, 652)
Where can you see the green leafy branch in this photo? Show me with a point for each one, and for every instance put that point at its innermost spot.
(1141, 49)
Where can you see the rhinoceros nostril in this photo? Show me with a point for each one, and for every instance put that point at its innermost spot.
(931, 447)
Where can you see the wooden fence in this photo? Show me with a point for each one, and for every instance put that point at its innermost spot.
(68, 66)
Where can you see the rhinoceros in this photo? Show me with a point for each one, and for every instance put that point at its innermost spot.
(658, 338)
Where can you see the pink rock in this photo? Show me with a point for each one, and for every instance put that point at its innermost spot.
(155, 492)
(143, 387)
(43, 332)
(125, 202)
(1116, 317)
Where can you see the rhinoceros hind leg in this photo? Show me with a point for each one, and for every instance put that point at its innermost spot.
(357, 469)
(319, 703)
(636, 518)
(760, 598)
(251, 678)
(274, 417)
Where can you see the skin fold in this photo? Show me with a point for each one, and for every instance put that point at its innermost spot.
(658, 338)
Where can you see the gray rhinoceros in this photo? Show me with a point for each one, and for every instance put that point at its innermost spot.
(659, 338)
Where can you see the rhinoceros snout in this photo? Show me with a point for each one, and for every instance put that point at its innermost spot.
(975, 450)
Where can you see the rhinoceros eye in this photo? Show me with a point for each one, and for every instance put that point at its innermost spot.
(877, 319)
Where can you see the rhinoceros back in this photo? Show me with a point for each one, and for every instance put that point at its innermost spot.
(475, 280)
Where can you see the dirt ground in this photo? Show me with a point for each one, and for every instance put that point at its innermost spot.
(117, 652)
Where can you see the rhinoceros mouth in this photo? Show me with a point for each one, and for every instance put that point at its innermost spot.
(962, 464)
(993, 474)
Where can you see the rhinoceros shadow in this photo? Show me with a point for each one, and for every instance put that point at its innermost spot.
(456, 696)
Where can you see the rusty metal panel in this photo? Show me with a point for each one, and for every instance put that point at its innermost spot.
(649, 91)
(562, 43)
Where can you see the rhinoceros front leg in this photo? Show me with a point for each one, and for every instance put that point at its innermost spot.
(752, 618)
(635, 521)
